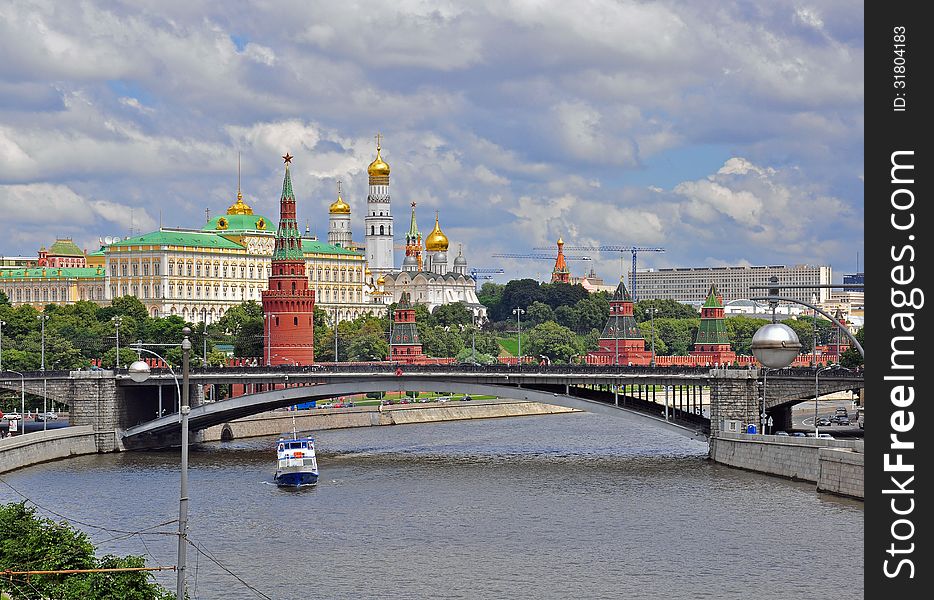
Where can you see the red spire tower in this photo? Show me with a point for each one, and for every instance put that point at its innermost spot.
(561, 273)
(288, 304)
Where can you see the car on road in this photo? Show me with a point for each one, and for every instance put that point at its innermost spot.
(12, 416)
(844, 420)
(46, 416)
(784, 433)
(824, 422)
(798, 434)
(841, 411)
(825, 436)
(466, 399)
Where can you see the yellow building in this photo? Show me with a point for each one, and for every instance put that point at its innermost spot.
(201, 274)
(39, 286)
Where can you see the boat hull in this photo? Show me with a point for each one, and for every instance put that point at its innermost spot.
(295, 478)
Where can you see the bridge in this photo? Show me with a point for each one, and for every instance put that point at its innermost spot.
(124, 412)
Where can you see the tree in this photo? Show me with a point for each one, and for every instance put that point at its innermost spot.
(31, 542)
(539, 312)
(4, 300)
(129, 306)
(665, 309)
(677, 335)
(552, 340)
(592, 313)
(563, 294)
(518, 293)
(491, 294)
(741, 329)
(852, 359)
(244, 327)
(367, 347)
(440, 341)
(567, 316)
(455, 313)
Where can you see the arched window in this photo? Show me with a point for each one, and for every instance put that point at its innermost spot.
(381, 232)
(135, 270)
(372, 229)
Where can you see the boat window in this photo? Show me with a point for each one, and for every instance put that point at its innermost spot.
(281, 447)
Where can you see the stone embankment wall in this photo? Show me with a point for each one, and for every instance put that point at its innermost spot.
(42, 446)
(276, 422)
(834, 465)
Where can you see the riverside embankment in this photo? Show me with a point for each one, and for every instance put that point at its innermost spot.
(38, 447)
(836, 466)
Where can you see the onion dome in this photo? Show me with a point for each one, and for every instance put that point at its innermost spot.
(378, 169)
(460, 261)
(409, 262)
(239, 207)
(381, 280)
(339, 207)
(436, 240)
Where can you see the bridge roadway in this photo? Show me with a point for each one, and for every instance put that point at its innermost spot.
(583, 388)
(109, 400)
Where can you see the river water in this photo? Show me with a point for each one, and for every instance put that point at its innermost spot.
(558, 506)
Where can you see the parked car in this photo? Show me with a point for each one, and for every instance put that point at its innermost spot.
(12, 416)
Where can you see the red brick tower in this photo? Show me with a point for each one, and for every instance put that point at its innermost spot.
(713, 340)
(621, 342)
(288, 304)
(561, 273)
(404, 345)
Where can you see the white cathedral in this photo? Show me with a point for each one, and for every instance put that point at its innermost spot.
(426, 276)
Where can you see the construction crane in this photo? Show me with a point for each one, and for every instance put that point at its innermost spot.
(635, 250)
(478, 274)
(540, 256)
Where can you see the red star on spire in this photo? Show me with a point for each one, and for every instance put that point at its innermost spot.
(287, 158)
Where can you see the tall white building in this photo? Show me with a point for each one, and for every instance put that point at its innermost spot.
(378, 228)
(690, 285)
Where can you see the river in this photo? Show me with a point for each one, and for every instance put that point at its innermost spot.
(558, 506)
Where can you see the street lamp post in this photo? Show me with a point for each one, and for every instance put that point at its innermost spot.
(817, 393)
(335, 336)
(1, 345)
(22, 401)
(268, 318)
(139, 372)
(473, 340)
(45, 408)
(519, 312)
(117, 321)
(652, 310)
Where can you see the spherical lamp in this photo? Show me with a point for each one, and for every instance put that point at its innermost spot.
(775, 345)
(139, 371)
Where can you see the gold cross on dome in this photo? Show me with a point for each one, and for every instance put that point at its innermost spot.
(379, 137)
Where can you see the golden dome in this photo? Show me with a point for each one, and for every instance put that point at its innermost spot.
(368, 271)
(378, 168)
(381, 280)
(340, 207)
(560, 242)
(436, 240)
(239, 207)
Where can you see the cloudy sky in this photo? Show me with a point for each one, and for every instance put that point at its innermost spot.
(726, 132)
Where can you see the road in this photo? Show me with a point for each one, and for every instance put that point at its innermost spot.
(802, 416)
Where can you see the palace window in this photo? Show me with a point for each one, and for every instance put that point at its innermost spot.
(216, 269)
(135, 270)
(198, 269)
(171, 268)
(123, 269)
(155, 268)
(113, 270)
(145, 268)
(189, 269)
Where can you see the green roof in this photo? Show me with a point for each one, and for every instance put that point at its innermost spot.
(712, 300)
(52, 273)
(239, 223)
(316, 247)
(97, 252)
(65, 247)
(168, 237)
